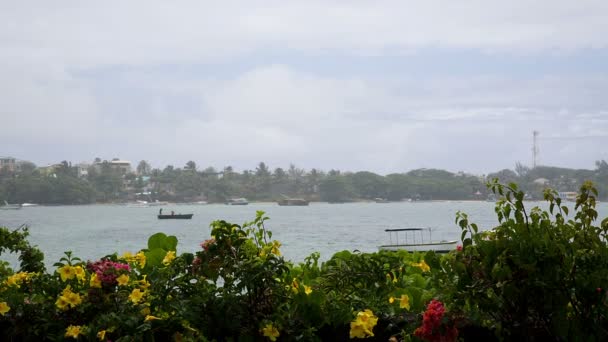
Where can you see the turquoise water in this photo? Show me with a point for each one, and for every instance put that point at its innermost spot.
(96, 230)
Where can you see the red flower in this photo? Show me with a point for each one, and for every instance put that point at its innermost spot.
(431, 329)
(459, 248)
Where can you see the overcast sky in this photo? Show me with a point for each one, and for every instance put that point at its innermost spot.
(384, 86)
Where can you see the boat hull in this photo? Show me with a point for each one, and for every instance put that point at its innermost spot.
(437, 247)
(175, 217)
(293, 202)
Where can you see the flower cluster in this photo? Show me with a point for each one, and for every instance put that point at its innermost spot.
(404, 301)
(138, 259)
(68, 272)
(431, 329)
(169, 257)
(68, 299)
(108, 271)
(363, 325)
(207, 244)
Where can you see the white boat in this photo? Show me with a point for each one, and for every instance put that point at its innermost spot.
(237, 201)
(414, 240)
(8, 206)
(138, 204)
(29, 205)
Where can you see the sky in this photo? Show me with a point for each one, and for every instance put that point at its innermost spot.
(382, 86)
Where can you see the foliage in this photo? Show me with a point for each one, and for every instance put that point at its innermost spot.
(538, 275)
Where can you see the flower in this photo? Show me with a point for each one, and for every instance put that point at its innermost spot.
(95, 282)
(66, 272)
(275, 248)
(136, 296)
(431, 329)
(422, 265)
(459, 248)
(295, 287)
(307, 289)
(151, 318)
(123, 280)
(144, 284)
(362, 326)
(271, 332)
(404, 302)
(101, 335)
(391, 300)
(73, 331)
(68, 299)
(4, 308)
(168, 258)
(141, 259)
(17, 279)
(79, 273)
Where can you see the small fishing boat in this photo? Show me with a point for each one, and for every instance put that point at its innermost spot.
(414, 240)
(175, 216)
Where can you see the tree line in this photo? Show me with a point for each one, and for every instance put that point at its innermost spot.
(105, 183)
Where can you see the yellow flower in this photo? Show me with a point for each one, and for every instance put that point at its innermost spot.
(404, 302)
(295, 287)
(62, 303)
(66, 272)
(363, 324)
(95, 282)
(79, 272)
(144, 284)
(136, 296)
(141, 259)
(73, 331)
(4, 308)
(423, 266)
(123, 280)
(275, 248)
(73, 299)
(151, 318)
(17, 279)
(271, 332)
(128, 256)
(307, 289)
(391, 300)
(101, 335)
(168, 258)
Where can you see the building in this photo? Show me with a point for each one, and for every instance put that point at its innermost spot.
(82, 170)
(122, 166)
(8, 163)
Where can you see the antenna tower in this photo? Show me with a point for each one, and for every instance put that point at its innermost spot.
(535, 150)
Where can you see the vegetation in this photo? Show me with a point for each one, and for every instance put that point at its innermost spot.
(537, 276)
(64, 184)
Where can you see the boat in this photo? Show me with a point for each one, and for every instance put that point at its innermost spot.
(413, 240)
(8, 206)
(237, 201)
(175, 216)
(287, 201)
(138, 204)
(29, 205)
(381, 200)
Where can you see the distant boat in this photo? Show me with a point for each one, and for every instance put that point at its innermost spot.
(157, 203)
(292, 202)
(29, 205)
(139, 204)
(237, 201)
(175, 216)
(381, 200)
(8, 206)
(413, 240)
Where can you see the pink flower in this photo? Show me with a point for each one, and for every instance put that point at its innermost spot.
(459, 248)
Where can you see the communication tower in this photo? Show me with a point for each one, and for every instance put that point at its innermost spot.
(534, 148)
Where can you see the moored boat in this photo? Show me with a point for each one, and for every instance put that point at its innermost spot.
(292, 202)
(413, 240)
(175, 216)
(237, 201)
